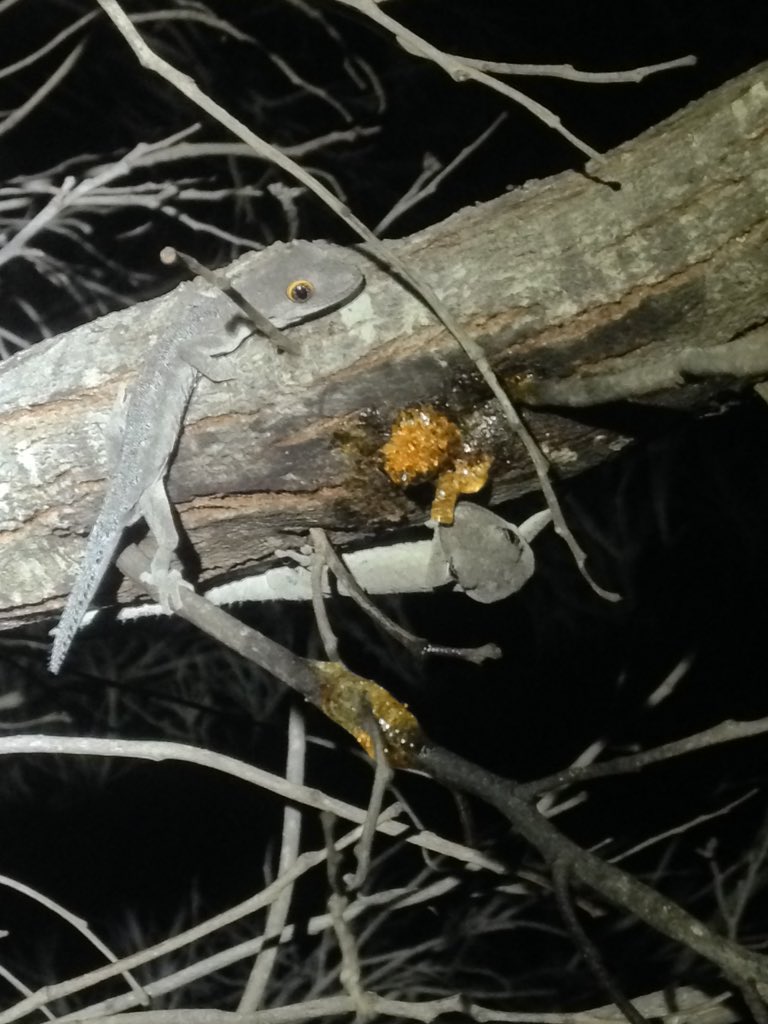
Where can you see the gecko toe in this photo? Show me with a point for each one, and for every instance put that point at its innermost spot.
(168, 586)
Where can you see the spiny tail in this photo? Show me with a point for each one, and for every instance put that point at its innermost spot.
(99, 551)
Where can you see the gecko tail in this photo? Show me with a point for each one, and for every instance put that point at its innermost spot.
(99, 552)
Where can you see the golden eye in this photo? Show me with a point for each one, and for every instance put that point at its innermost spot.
(300, 291)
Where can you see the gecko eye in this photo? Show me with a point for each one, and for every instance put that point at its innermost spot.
(300, 291)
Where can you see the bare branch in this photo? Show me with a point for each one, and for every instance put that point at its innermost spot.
(417, 645)
(80, 926)
(461, 70)
(11, 69)
(725, 732)
(37, 97)
(255, 988)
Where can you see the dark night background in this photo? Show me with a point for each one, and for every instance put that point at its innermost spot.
(676, 523)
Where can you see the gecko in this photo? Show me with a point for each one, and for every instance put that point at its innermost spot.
(289, 284)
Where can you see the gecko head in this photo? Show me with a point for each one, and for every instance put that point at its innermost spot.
(301, 280)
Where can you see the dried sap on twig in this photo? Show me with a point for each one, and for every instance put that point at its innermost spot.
(425, 445)
(356, 703)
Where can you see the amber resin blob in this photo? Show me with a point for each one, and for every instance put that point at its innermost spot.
(356, 704)
(424, 444)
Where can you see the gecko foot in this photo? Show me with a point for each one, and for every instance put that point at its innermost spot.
(168, 585)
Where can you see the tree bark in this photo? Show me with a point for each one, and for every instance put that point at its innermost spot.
(660, 249)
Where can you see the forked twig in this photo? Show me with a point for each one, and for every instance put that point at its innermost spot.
(416, 645)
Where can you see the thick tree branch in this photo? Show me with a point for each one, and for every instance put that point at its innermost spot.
(566, 280)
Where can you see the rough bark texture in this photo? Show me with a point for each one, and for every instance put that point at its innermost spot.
(569, 277)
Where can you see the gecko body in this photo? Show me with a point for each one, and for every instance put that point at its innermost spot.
(290, 284)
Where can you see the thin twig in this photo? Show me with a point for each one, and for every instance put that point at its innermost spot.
(323, 622)
(351, 973)
(79, 925)
(677, 830)
(382, 777)
(304, 863)
(587, 948)
(255, 988)
(17, 984)
(572, 74)
(37, 97)
(461, 71)
(23, 62)
(169, 255)
(725, 732)
(416, 645)
(428, 182)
